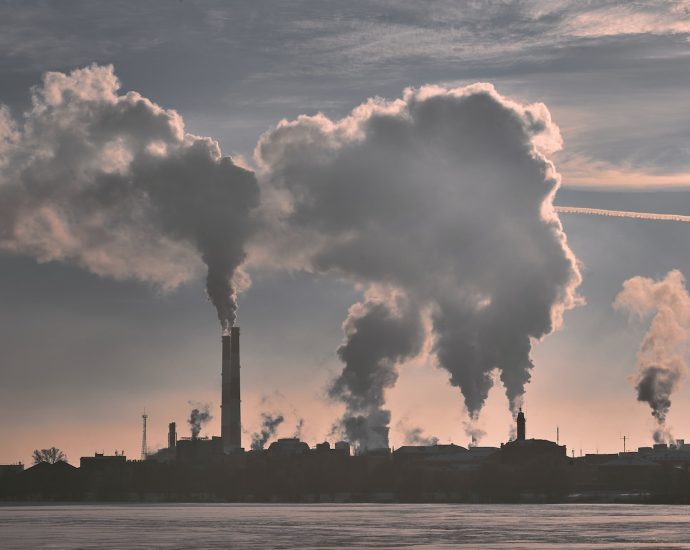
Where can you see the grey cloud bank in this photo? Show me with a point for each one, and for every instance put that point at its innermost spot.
(234, 69)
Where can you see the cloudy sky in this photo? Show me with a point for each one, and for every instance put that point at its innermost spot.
(103, 296)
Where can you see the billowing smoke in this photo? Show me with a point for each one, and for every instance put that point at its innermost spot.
(415, 436)
(378, 334)
(113, 183)
(269, 425)
(444, 195)
(200, 415)
(661, 360)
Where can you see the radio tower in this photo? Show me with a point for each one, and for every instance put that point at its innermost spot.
(144, 447)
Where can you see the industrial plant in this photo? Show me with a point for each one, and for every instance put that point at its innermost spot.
(289, 470)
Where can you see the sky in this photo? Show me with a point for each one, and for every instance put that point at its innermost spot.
(111, 325)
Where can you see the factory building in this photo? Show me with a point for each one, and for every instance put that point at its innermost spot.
(523, 450)
(288, 446)
(199, 450)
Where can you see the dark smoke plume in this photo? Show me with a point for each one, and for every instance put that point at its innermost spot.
(446, 196)
(112, 182)
(378, 335)
(269, 425)
(661, 359)
(199, 416)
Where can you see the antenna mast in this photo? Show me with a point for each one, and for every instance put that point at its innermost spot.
(144, 447)
(624, 438)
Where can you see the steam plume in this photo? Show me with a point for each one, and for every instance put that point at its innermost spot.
(415, 436)
(112, 182)
(298, 429)
(622, 214)
(199, 416)
(474, 433)
(378, 335)
(269, 425)
(661, 359)
(446, 196)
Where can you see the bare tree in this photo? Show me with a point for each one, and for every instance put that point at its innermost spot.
(51, 456)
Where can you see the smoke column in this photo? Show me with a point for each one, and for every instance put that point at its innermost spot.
(622, 214)
(112, 182)
(199, 416)
(298, 429)
(269, 425)
(661, 360)
(446, 196)
(378, 335)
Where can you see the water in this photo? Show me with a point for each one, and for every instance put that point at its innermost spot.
(264, 526)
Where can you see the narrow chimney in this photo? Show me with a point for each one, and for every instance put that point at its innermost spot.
(231, 425)
(172, 435)
(521, 426)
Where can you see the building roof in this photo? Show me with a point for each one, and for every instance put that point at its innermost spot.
(531, 443)
(288, 445)
(628, 461)
(427, 450)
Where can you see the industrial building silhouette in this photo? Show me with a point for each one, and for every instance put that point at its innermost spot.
(219, 469)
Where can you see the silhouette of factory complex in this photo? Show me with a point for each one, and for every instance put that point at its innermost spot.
(289, 470)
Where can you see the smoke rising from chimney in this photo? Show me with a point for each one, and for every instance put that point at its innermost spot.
(269, 425)
(298, 429)
(446, 196)
(474, 432)
(415, 436)
(112, 182)
(200, 415)
(661, 359)
(379, 333)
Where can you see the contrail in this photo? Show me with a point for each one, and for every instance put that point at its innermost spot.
(622, 214)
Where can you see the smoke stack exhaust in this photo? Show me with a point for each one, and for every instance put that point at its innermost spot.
(172, 435)
(231, 424)
(521, 426)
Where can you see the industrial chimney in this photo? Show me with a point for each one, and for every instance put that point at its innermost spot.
(521, 426)
(172, 435)
(231, 425)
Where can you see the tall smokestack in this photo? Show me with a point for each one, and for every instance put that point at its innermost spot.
(172, 435)
(231, 424)
(521, 426)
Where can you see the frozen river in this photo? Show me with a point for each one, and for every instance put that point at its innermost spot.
(264, 526)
